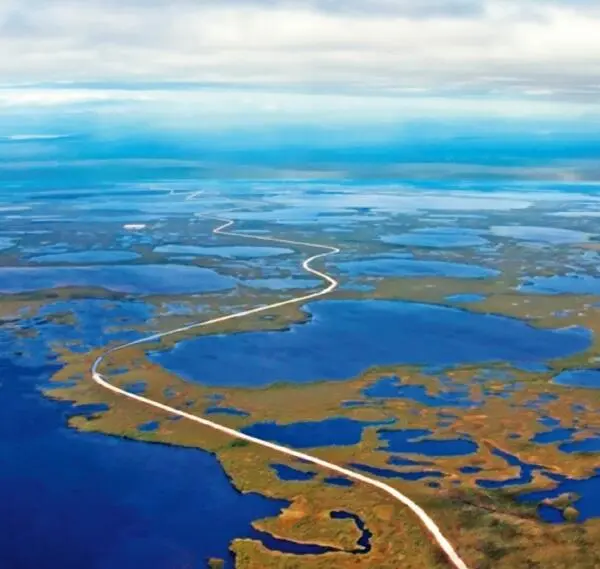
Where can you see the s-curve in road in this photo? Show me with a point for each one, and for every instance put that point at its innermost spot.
(434, 531)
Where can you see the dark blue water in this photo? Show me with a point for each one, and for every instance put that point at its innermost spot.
(588, 503)
(364, 542)
(392, 388)
(471, 469)
(553, 436)
(591, 444)
(337, 431)
(74, 500)
(567, 284)
(333, 345)
(96, 324)
(525, 476)
(339, 481)
(139, 279)
(416, 441)
(394, 267)
(289, 474)
(290, 547)
(587, 378)
(86, 257)
(389, 473)
(87, 410)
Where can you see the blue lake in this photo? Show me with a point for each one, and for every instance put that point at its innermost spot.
(567, 284)
(149, 427)
(85, 257)
(549, 235)
(105, 490)
(392, 388)
(337, 431)
(289, 474)
(92, 320)
(364, 542)
(138, 387)
(437, 238)
(548, 421)
(389, 473)
(226, 252)
(281, 283)
(525, 475)
(339, 481)
(333, 345)
(395, 267)
(588, 503)
(417, 441)
(471, 469)
(553, 436)
(588, 378)
(591, 444)
(138, 279)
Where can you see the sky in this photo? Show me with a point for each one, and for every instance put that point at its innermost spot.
(532, 50)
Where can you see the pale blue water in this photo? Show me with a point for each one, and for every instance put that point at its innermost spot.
(549, 235)
(437, 238)
(587, 378)
(383, 267)
(227, 252)
(135, 279)
(6, 243)
(85, 257)
(282, 283)
(567, 284)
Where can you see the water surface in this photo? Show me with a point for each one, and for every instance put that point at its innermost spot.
(334, 338)
(138, 279)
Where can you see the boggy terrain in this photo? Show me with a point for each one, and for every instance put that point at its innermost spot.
(468, 443)
(456, 362)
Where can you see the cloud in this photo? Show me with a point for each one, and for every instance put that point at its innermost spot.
(547, 49)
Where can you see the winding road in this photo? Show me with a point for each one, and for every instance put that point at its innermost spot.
(428, 523)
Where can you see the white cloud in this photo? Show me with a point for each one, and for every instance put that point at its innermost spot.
(546, 48)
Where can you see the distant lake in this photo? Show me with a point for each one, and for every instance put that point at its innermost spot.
(395, 267)
(140, 279)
